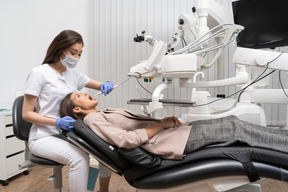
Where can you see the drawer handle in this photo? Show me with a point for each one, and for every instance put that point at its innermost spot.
(14, 154)
(10, 136)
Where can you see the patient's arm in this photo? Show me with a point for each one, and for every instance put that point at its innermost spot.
(167, 122)
(116, 135)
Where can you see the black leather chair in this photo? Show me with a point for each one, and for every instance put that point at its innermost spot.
(21, 130)
(210, 169)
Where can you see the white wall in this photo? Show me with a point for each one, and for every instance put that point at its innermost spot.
(27, 27)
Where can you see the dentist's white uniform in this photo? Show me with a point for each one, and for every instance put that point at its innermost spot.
(47, 141)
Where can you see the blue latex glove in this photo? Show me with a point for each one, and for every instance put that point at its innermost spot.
(65, 123)
(106, 87)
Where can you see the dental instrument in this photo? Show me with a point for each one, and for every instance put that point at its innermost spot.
(114, 87)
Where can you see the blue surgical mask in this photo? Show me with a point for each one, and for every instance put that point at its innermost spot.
(69, 61)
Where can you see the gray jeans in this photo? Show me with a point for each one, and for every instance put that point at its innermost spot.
(229, 130)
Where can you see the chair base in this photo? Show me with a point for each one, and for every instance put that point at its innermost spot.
(219, 184)
(57, 177)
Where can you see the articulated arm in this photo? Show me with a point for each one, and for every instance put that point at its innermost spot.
(261, 58)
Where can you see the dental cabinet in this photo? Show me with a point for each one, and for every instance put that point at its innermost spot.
(11, 150)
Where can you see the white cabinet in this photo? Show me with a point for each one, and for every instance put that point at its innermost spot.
(11, 149)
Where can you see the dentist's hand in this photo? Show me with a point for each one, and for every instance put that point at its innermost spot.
(106, 87)
(65, 123)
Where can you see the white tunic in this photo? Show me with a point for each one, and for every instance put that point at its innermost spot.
(50, 88)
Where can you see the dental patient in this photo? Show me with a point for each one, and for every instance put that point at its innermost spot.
(168, 137)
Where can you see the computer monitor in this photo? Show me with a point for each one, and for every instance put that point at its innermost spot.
(265, 22)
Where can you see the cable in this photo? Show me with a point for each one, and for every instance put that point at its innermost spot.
(280, 81)
(122, 82)
(203, 40)
(243, 89)
(256, 80)
(183, 39)
(235, 92)
(143, 87)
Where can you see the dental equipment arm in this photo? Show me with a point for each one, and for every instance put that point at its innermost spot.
(261, 58)
(242, 77)
(147, 38)
(213, 23)
(210, 15)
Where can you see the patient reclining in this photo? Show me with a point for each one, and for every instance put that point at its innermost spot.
(168, 137)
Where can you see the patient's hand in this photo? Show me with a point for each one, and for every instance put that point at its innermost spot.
(172, 121)
(167, 122)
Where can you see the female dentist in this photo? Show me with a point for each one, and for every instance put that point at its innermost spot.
(46, 86)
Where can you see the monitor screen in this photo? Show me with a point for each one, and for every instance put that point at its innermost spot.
(265, 23)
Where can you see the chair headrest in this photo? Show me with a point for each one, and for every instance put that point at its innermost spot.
(21, 128)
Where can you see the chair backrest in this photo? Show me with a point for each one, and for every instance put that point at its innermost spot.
(98, 144)
(21, 128)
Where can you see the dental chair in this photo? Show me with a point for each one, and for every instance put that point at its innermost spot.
(21, 130)
(211, 169)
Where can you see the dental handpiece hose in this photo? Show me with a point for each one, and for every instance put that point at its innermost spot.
(115, 86)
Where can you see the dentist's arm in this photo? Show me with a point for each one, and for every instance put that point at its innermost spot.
(29, 115)
(93, 84)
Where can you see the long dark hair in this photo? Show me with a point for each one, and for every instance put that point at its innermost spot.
(66, 108)
(60, 43)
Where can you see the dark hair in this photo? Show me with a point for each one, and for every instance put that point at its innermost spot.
(66, 108)
(60, 43)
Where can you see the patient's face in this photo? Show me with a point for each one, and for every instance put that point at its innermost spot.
(83, 100)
